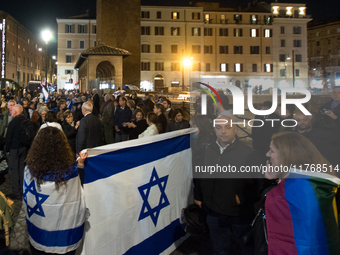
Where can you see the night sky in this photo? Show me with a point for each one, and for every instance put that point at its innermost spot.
(39, 14)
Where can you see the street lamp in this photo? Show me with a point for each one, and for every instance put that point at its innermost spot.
(46, 35)
(186, 63)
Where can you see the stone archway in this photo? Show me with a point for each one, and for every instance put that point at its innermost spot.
(159, 82)
(105, 71)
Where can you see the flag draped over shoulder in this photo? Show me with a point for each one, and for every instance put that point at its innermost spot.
(135, 191)
(55, 218)
(302, 218)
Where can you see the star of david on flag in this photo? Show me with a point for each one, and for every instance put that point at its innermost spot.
(39, 198)
(144, 191)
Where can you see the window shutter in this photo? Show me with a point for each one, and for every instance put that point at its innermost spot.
(257, 32)
(241, 67)
(67, 29)
(241, 32)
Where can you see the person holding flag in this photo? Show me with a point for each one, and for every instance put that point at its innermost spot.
(54, 203)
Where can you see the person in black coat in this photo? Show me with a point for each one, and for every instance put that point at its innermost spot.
(96, 107)
(70, 129)
(328, 117)
(90, 132)
(177, 122)
(138, 126)
(162, 116)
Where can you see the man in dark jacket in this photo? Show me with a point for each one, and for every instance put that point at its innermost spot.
(96, 107)
(123, 114)
(16, 150)
(90, 132)
(329, 115)
(227, 197)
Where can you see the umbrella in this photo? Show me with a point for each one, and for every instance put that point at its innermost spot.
(130, 87)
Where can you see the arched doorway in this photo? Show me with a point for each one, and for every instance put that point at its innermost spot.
(106, 73)
(159, 82)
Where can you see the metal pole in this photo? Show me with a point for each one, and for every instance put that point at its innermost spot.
(293, 59)
(182, 70)
(46, 63)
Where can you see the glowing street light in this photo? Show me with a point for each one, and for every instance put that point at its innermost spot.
(54, 57)
(187, 62)
(46, 35)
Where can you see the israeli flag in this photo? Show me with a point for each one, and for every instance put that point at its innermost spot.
(135, 191)
(55, 218)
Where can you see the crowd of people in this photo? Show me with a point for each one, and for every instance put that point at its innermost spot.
(41, 141)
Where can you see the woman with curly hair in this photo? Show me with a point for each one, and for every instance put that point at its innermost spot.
(53, 196)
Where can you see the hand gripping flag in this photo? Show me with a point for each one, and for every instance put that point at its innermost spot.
(135, 191)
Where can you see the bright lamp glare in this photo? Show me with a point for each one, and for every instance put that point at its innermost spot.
(186, 62)
(46, 35)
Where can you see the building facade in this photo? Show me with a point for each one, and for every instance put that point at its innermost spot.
(22, 53)
(254, 46)
(75, 34)
(324, 54)
(260, 45)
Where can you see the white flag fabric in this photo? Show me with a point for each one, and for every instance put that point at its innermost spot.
(55, 218)
(135, 191)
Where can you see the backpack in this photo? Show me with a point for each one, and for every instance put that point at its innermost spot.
(27, 132)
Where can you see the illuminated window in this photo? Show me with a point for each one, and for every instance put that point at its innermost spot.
(28, 41)
(254, 33)
(196, 31)
(175, 15)
(268, 68)
(253, 19)
(302, 10)
(276, 10)
(222, 20)
(268, 33)
(238, 67)
(207, 18)
(224, 67)
(237, 18)
(289, 10)
(175, 31)
(317, 33)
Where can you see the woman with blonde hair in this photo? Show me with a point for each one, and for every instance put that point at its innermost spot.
(299, 215)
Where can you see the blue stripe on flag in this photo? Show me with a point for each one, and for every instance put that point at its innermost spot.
(127, 158)
(74, 173)
(59, 238)
(160, 241)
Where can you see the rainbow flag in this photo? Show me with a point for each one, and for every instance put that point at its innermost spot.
(301, 215)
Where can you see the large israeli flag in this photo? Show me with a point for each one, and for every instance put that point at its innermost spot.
(55, 217)
(135, 191)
